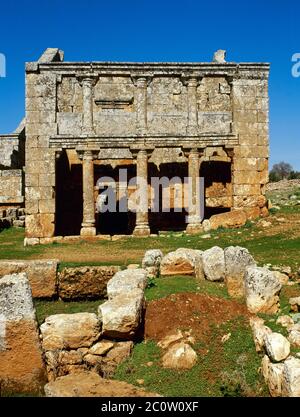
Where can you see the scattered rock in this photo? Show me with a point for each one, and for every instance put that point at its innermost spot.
(125, 281)
(133, 266)
(236, 261)
(294, 334)
(230, 219)
(21, 363)
(182, 262)
(277, 346)
(295, 303)
(265, 223)
(206, 236)
(151, 262)
(285, 321)
(169, 339)
(179, 356)
(261, 290)
(206, 225)
(226, 337)
(214, 264)
(291, 378)
(275, 377)
(259, 331)
(70, 331)
(85, 282)
(282, 278)
(89, 384)
(121, 315)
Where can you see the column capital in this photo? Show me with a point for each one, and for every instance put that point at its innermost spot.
(87, 79)
(191, 80)
(141, 81)
(142, 152)
(87, 153)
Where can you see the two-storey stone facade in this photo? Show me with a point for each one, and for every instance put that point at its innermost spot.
(85, 120)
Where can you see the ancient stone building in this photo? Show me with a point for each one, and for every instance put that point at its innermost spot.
(86, 120)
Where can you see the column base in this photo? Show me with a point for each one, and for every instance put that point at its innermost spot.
(142, 230)
(88, 231)
(194, 228)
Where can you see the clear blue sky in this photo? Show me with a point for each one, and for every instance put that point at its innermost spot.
(158, 30)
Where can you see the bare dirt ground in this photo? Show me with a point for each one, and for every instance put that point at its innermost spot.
(196, 313)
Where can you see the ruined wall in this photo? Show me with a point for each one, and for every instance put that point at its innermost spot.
(40, 159)
(222, 109)
(250, 159)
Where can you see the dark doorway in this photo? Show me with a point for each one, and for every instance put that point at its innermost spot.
(68, 197)
(218, 187)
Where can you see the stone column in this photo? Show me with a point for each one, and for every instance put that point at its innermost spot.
(87, 104)
(141, 104)
(142, 225)
(88, 222)
(192, 127)
(194, 200)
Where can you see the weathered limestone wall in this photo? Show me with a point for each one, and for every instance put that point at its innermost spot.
(11, 186)
(40, 159)
(250, 159)
(217, 111)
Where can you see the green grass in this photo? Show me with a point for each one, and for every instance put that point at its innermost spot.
(211, 376)
(47, 308)
(165, 286)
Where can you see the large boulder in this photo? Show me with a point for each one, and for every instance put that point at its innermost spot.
(273, 374)
(40, 273)
(90, 384)
(261, 290)
(277, 346)
(21, 363)
(183, 261)
(125, 281)
(70, 331)
(291, 378)
(151, 262)
(179, 356)
(214, 264)
(122, 315)
(235, 218)
(236, 261)
(85, 282)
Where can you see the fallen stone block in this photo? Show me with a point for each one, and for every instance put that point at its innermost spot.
(85, 282)
(291, 378)
(237, 259)
(41, 275)
(70, 331)
(21, 364)
(214, 264)
(125, 281)
(261, 290)
(151, 262)
(179, 356)
(183, 261)
(277, 346)
(121, 316)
